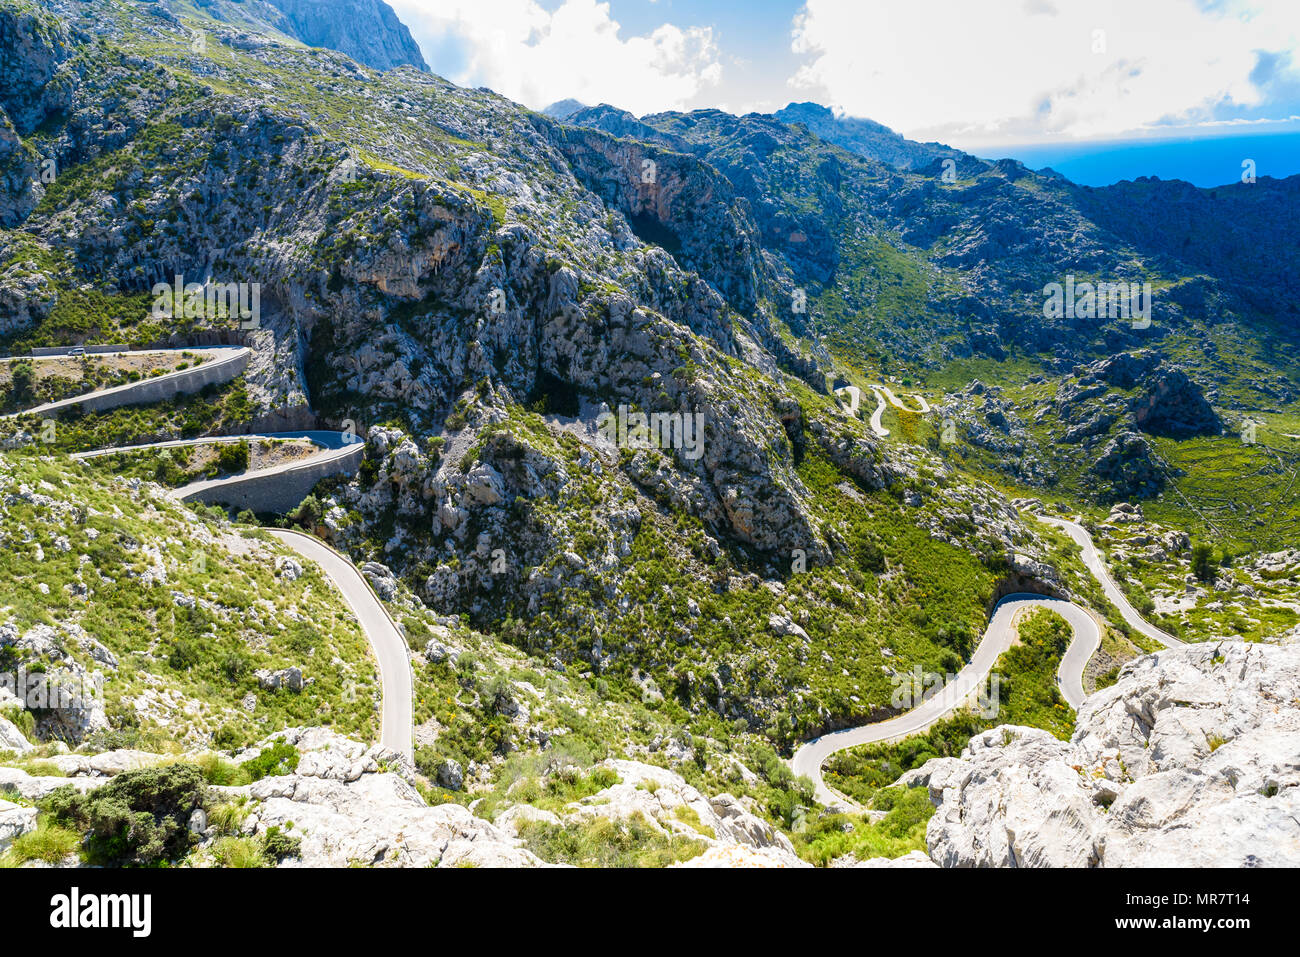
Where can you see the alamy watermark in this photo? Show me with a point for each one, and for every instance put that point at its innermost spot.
(629, 429)
(914, 687)
(209, 300)
(40, 691)
(1101, 300)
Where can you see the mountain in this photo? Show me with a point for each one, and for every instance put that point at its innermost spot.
(865, 137)
(562, 109)
(612, 491)
(366, 30)
(471, 285)
(914, 272)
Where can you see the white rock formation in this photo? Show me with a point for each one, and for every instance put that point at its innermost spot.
(11, 738)
(741, 855)
(15, 821)
(911, 860)
(348, 809)
(672, 806)
(1191, 760)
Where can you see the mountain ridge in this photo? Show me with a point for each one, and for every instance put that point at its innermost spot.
(369, 31)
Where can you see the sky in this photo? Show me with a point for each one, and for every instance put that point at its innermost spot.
(994, 77)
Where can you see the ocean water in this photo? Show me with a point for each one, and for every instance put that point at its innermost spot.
(1203, 161)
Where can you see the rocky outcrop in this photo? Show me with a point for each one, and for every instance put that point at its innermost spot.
(868, 138)
(672, 806)
(731, 833)
(1169, 403)
(61, 680)
(290, 679)
(739, 855)
(12, 739)
(368, 31)
(912, 859)
(1188, 761)
(352, 804)
(1173, 405)
(33, 48)
(1127, 464)
(15, 821)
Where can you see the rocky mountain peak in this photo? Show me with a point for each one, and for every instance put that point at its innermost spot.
(369, 31)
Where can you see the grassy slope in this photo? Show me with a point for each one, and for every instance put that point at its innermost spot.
(142, 558)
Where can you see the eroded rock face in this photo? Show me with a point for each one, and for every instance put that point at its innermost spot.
(366, 30)
(1189, 760)
(356, 804)
(1173, 405)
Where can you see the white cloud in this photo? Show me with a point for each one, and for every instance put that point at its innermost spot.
(1016, 70)
(537, 56)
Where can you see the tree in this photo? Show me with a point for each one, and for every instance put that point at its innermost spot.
(22, 379)
(1203, 562)
(233, 458)
(308, 513)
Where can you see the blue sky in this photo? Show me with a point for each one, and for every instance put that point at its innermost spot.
(989, 76)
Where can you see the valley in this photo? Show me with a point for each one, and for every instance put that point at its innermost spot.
(367, 577)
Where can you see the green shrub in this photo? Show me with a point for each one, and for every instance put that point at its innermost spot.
(230, 737)
(900, 831)
(228, 818)
(274, 761)
(21, 719)
(1203, 562)
(22, 379)
(138, 818)
(862, 773)
(277, 845)
(217, 770)
(308, 513)
(233, 457)
(602, 842)
(185, 655)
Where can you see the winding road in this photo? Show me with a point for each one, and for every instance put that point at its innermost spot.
(894, 400)
(876, 425)
(854, 395)
(393, 658)
(397, 725)
(882, 393)
(221, 364)
(1092, 558)
(966, 685)
(385, 637)
(335, 448)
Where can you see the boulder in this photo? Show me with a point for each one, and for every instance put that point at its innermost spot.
(912, 859)
(381, 578)
(1172, 405)
(12, 739)
(289, 678)
(450, 775)
(15, 821)
(1127, 463)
